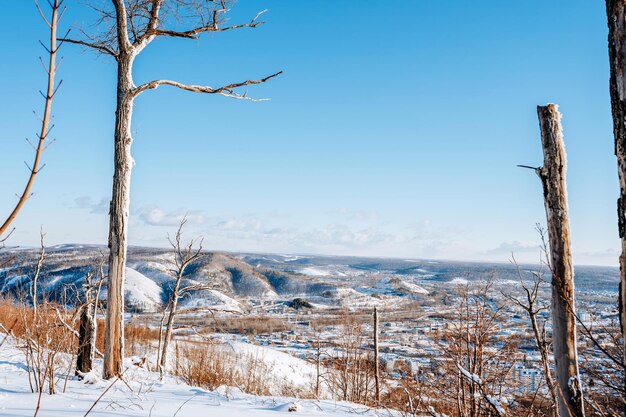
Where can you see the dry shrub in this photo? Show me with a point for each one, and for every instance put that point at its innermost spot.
(42, 335)
(247, 325)
(139, 340)
(210, 366)
(604, 375)
(53, 322)
(206, 366)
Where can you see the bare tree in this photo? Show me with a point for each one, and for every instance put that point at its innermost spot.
(51, 89)
(351, 369)
(552, 175)
(472, 377)
(532, 306)
(184, 255)
(616, 16)
(127, 28)
(87, 328)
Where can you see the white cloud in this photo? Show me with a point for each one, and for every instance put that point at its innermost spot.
(86, 203)
(238, 224)
(610, 252)
(515, 247)
(155, 216)
(270, 233)
(357, 215)
(337, 234)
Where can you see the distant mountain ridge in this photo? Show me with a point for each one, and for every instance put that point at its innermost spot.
(238, 279)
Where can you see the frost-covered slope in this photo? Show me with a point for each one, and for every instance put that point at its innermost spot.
(141, 292)
(149, 397)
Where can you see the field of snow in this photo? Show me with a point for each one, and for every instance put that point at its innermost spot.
(144, 395)
(288, 369)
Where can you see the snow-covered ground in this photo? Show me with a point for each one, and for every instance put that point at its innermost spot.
(149, 397)
(282, 367)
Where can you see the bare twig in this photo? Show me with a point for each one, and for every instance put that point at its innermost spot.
(45, 122)
(226, 90)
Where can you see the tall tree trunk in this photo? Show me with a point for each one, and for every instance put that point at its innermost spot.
(552, 174)
(86, 339)
(616, 16)
(118, 219)
(376, 358)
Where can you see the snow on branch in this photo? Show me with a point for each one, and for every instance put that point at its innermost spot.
(493, 401)
(472, 377)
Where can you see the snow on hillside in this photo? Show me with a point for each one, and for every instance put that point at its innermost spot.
(409, 286)
(141, 292)
(149, 397)
(315, 272)
(458, 281)
(282, 367)
(156, 271)
(215, 300)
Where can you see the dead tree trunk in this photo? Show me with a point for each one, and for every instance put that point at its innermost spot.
(552, 175)
(376, 358)
(169, 328)
(86, 339)
(133, 28)
(184, 254)
(616, 15)
(118, 219)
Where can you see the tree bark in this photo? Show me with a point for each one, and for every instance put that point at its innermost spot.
(376, 358)
(118, 218)
(552, 174)
(86, 340)
(616, 16)
(169, 327)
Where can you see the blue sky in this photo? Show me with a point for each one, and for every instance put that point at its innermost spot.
(395, 130)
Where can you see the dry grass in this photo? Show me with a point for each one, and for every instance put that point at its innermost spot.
(22, 323)
(43, 337)
(211, 366)
(245, 325)
(139, 340)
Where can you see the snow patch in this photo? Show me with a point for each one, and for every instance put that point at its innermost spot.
(312, 271)
(141, 292)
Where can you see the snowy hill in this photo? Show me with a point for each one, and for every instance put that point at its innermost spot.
(238, 281)
(141, 292)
